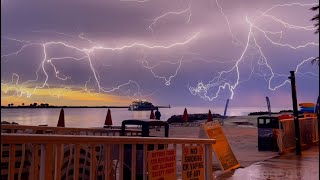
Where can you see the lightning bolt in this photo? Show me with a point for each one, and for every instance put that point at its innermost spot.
(222, 81)
(167, 80)
(235, 40)
(228, 79)
(187, 10)
(86, 56)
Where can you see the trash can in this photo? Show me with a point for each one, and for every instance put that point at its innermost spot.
(145, 127)
(267, 139)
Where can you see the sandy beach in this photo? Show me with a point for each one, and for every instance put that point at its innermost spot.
(242, 135)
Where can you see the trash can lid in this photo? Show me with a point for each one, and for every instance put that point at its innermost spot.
(267, 117)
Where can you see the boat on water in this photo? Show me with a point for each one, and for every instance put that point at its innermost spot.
(141, 105)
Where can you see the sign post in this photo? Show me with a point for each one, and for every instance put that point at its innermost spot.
(222, 149)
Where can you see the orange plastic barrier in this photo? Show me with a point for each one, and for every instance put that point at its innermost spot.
(309, 115)
(285, 116)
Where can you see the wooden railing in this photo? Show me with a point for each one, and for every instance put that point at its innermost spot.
(44, 156)
(22, 129)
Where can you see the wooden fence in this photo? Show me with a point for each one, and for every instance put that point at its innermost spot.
(52, 156)
(22, 129)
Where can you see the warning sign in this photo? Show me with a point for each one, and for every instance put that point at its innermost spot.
(192, 163)
(162, 165)
(221, 148)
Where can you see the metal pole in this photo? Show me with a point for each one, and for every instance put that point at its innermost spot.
(295, 112)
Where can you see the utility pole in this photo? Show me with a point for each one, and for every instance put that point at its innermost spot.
(295, 112)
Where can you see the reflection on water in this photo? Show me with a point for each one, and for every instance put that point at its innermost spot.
(90, 117)
(141, 114)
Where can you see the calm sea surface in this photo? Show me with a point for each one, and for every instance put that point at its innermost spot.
(90, 117)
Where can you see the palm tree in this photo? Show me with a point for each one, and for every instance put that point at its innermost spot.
(316, 18)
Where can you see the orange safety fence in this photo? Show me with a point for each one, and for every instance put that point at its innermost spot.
(286, 134)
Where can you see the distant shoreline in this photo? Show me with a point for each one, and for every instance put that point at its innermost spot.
(30, 107)
(48, 107)
(266, 112)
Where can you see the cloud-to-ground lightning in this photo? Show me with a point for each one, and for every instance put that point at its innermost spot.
(219, 82)
(226, 80)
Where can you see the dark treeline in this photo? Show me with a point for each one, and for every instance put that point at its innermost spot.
(9, 107)
(266, 112)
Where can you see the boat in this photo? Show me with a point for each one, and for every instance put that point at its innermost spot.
(141, 105)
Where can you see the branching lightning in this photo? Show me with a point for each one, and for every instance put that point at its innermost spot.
(167, 80)
(227, 80)
(21, 90)
(218, 83)
(235, 40)
(187, 10)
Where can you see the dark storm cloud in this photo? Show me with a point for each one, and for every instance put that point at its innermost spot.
(115, 23)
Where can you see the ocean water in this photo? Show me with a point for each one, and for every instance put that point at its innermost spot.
(91, 117)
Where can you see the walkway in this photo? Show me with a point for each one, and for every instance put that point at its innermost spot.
(288, 166)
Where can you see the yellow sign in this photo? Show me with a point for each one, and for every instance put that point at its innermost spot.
(162, 165)
(192, 163)
(221, 148)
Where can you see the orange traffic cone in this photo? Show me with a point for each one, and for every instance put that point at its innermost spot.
(108, 121)
(209, 116)
(152, 114)
(185, 115)
(61, 119)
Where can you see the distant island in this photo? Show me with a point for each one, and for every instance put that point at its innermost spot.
(192, 117)
(267, 113)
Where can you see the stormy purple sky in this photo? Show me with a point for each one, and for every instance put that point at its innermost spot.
(195, 53)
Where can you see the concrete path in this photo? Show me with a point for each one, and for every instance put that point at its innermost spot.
(287, 166)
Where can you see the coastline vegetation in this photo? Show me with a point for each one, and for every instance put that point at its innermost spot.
(46, 105)
(267, 113)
